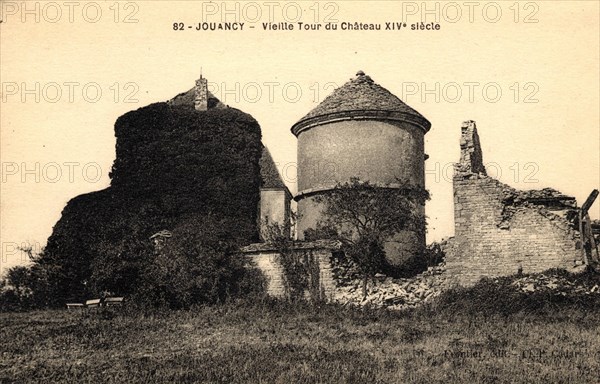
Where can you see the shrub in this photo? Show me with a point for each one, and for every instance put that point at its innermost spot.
(499, 296)
(199, 264)
(16, 293)
(433, 254)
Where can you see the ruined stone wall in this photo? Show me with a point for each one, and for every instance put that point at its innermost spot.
(501, 231)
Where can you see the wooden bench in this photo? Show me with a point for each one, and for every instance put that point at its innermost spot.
(94, 303)
(97, 303)
(113, 301)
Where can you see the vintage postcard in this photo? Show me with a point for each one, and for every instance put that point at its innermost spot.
(300, 191)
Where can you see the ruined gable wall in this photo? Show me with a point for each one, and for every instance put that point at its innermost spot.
(493, 235)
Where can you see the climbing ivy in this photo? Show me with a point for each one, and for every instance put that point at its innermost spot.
(300, 266)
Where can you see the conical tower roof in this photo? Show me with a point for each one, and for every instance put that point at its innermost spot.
(361, 98)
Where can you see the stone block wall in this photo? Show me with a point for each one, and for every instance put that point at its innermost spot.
(266, 258)
(326, 281)
(267, 262)
(500, 230)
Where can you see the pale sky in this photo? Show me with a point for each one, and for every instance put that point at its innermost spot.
(541, 130)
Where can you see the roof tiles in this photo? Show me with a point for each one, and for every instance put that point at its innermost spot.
(360, 94)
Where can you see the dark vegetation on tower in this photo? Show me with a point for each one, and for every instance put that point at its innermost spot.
(176, 168)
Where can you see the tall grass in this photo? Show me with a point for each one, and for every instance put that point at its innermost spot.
(274, 342)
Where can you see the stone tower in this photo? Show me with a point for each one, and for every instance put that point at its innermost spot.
(360, 130)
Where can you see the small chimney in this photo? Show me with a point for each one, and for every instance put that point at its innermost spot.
(201, 99)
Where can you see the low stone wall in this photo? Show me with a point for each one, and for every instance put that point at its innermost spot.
(341, 283)
(268, 263)
(267, 259)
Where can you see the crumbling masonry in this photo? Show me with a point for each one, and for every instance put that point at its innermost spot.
(503, 231)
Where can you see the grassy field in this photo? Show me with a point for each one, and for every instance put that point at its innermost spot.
(277, 343)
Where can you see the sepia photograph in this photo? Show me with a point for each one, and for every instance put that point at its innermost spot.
(302, 191)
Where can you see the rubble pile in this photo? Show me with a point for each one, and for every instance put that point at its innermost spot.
(559, 285)
(403, 293)
(391, 293)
